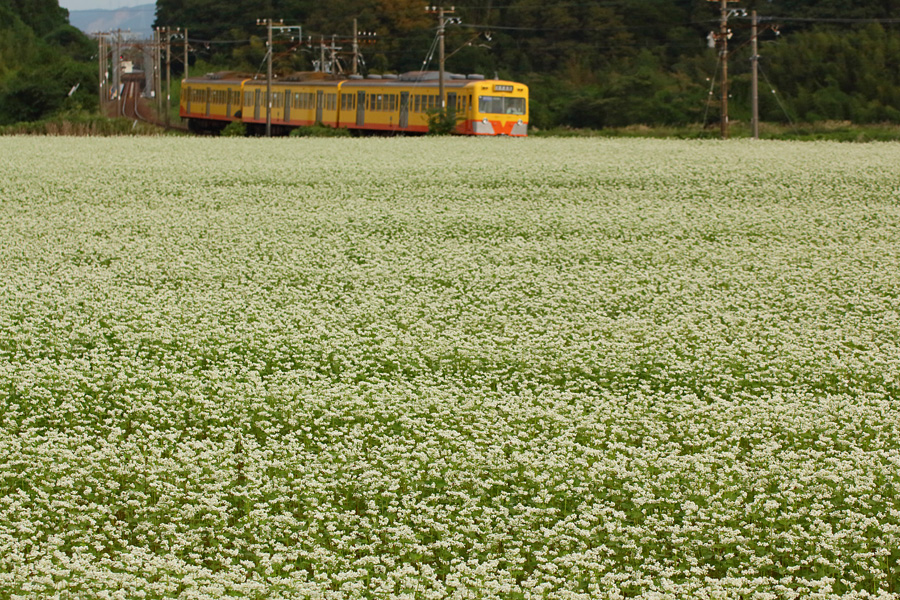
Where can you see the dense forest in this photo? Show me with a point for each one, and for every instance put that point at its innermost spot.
(599, 63)
(596, 64)
(46, 65)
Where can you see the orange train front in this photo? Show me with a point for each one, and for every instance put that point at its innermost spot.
(376, 104)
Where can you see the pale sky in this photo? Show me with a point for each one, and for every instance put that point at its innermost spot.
(102, 4)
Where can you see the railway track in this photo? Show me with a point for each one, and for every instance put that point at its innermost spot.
(133, 105)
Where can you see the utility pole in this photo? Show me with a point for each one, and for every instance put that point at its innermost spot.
(185, 53)
(168, 74)
(442, 25)
(117, 74)
(269, 84)
(157, 70)
(723, 36)
(355, 68)
(268, 23)
(101, 67)
(754, 80)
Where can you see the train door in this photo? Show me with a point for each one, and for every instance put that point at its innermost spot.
(228, 102)
(208, 100)
(451, 102)
(287, 105)
(404, 110)
(256, 105)
(320, 103)
(360, 109)
(188, 92)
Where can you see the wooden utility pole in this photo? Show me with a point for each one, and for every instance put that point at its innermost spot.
(157, 70)
(754, 80)
(723, 37)
(354, 69)
(168, 74)
(117, 71)
(269, 84)
(101, 67)
(185, 53)
(268, 23)
(442, 25)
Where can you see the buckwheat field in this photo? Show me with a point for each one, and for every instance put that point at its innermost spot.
(449, 368)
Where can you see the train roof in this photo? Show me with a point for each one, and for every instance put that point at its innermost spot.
(425, 79)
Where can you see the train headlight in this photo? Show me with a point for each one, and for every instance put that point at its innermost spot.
(485, 121)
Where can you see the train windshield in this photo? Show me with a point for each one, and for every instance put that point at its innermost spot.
(501, 105)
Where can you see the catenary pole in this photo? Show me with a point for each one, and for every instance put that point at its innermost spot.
(168, 74)
(754, 80)
(441, 57)
(355, 67)
(100, 51)
(723, 36)
(269, 84)
(442, 26)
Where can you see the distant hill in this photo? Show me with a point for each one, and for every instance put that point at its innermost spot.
(139, 19)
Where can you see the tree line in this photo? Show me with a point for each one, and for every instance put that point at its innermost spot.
(589, 63)
(46, 65)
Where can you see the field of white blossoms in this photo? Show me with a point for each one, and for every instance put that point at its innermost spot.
(449, 368)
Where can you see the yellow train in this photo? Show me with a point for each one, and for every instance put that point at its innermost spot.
(386, 104)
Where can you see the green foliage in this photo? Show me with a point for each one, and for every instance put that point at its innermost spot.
(41, 16)
(441, 121)
(46, 65)
(320, 130)
(235, 129)
(859, 82)
(82, 123)
(609, 64)
(31, 94)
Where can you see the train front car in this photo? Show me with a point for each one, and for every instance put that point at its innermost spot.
(498, 108)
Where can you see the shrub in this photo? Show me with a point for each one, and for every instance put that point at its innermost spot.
(235, 129)
(320, 130)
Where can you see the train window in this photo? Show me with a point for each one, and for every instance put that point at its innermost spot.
(501, 105)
